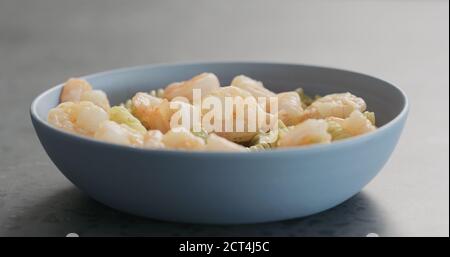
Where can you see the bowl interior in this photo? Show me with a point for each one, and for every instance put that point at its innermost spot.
(384, 99)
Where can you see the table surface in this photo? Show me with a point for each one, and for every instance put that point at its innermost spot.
(406, 42)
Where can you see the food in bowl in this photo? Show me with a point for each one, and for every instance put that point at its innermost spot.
(202, 115)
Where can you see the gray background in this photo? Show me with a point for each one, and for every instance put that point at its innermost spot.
(406, 42)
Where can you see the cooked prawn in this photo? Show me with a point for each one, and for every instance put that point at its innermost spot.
(73, 89)
(308, 132)
(153, 139)
(153, 112)
(98, 97)
(82, 117)
(357, 124)
(206, 82)
(181, 138)
(289, 108)
(116, 133)
(334, 105)
(239, 114)
(254, 87)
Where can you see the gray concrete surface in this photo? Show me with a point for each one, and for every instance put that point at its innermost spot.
(406, 42)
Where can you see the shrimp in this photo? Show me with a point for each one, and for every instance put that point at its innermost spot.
(357, 124)
(181, 138)
(160, 114)
(152, 112)
(255, 88)
(206, 82)
(335, 128)
(62, 117)
(73, 89)
(334, 105)
(153, 139)
(78, 90)
(308, 132)
(113, 132)
(289, 108)
(230, 91)
(216, 143)
(144, 100)
(178, 109)
(81, 118)
(98, 97)
(247, 114)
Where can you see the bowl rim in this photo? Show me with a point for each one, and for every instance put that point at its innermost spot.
(293, 150)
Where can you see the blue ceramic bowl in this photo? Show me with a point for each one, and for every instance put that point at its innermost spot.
(226, 188)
